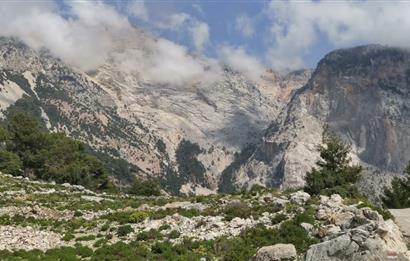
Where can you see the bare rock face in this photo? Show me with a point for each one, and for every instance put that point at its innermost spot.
(223, 116)
(124, 111)
(276, 252)
(361, 94)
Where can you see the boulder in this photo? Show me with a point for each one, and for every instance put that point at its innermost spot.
(335, 249)
(299, 197)
(276, 253)
(279, 202)
(371, 214)
(307, 227)
(328, 230)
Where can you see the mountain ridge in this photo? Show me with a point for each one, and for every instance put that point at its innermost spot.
(119, 114)
(359, 93)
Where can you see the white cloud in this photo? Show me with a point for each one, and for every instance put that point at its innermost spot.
(174, 22)
(200, 35)
(90, 32)
(239, 60)
(198, 31)
(83, 39)
(298, 26)
(164, 62)
(138, 9)
(244, 25)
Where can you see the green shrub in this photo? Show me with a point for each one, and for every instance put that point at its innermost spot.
(78, 213)
(145, 188)
(174, 234)
(138, 216)
(83, 251)
(68, 237)
(279, 218)
(164, 227)
(124, 230)
(308, 216)
(124, 217)
(149, 235)
(105, 227)
(85, 238)
(237, 209)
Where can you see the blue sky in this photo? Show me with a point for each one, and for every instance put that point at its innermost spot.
(323, 25)
(221, 18)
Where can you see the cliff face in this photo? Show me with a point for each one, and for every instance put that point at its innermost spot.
(222, 117)
(360, 93)
(139, 121)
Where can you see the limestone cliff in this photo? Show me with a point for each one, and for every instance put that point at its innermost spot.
(360, 93)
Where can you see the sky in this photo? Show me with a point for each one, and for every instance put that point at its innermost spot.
(249, 36)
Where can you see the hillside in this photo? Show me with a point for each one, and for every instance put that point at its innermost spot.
(46, 221)
(359, 93)
(134, 124)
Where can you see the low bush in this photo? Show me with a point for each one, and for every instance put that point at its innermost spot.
(124, 230)
(278, 218)
(237, 209)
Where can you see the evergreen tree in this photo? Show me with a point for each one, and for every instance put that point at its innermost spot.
(145, 188)
(398, 195)
(10, 163)
(334, 172)
(26, 148)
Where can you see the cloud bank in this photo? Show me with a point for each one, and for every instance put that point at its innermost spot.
(86, 34)
(297, 26)
(239, 60)
(83, 38)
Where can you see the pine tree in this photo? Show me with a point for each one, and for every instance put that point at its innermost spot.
(398, 195)
(334, 172)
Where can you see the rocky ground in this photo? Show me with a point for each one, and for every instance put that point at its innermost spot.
(46, 221)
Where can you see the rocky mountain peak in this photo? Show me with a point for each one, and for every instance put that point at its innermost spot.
(361, 94)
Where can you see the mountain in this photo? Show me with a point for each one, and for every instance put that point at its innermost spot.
(361, 94)
(137, 124)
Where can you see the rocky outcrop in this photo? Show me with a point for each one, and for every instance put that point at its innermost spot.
(352, 233)
(278, 252)
(361, 94)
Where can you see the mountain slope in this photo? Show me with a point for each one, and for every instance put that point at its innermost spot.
(67, 100)
(361, 94)
(142, 122)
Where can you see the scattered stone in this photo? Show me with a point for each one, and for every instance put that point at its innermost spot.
(371, 214)
(37, 212)
(299, 197)
(328, 230)
(28, 238)
(307, 227)
(276, 253)
(185, 205)
(95, 198)
(279, 202)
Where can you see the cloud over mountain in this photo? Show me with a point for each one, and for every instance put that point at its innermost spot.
(297, 27)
